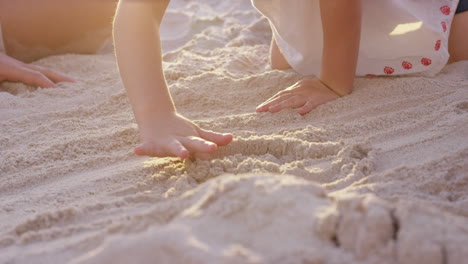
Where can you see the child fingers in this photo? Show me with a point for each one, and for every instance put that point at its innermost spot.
(146, 149)
(175, 148)
(180, 147)
(264, 106)
(309, 106)
(272, 101)
(51, 74)
(261, 108)
(197, 145)
(31, 77)
(293, 102)
(280, 94)
(172, 148)
(217, 138)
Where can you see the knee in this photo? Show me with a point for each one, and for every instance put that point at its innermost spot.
(277, 59)
(458, 40)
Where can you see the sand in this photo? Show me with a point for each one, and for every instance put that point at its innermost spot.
(380, 176)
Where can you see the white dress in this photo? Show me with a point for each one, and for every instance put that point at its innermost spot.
(397, 36)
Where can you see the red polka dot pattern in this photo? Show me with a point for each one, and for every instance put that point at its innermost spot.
(445, 10)
(437, 45)
(444, 26)
(426, 61)
(389, 70)
(407, 65)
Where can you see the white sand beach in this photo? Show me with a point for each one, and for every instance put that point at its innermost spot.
(379, 176)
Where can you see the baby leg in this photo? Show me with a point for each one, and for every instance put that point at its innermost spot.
(277, 60)
(458, 40)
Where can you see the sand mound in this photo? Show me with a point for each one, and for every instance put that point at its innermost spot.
(379, 176)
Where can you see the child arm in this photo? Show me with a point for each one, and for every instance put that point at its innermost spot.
(138, 49)
(341, 22)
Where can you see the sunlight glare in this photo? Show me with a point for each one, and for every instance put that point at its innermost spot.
(402, 29)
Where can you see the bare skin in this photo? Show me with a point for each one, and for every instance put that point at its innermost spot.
(16, 71)
(341, 20)
(29, 34)
(163, 132)
(306, 95)
(458, 40)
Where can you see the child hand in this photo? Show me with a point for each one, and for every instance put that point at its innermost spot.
(304, 96)
(17, 71)
(176, 136)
